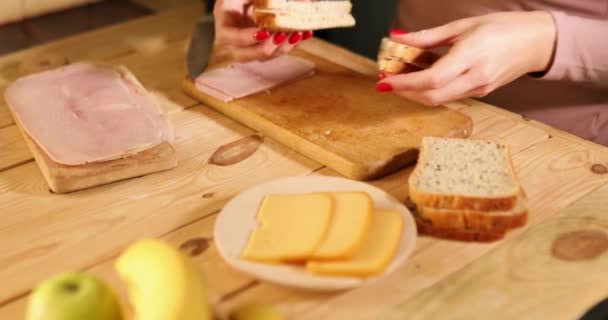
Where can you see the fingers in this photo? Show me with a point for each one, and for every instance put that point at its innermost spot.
(237, 31)
(468, 85)
(233, 5)
(291, 42)
(261, 51)
(463, 87)
(277, 44)
(441, 73)
(435, 37)
(240, 37)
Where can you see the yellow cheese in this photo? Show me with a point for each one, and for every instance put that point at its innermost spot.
(290, 227)
(375, 254)
(350, 222)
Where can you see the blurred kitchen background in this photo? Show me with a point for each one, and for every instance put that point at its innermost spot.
(26, 23)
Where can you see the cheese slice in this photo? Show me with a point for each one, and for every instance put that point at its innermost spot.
(350, 222)
(376, 253)
(290, 228)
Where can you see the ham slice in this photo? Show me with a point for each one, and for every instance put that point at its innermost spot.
(244, 79)
(86, 112)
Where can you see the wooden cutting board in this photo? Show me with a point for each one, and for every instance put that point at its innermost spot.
(337, 118)
(64, 179)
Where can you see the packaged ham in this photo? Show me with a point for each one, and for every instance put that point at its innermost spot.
(243, 79)
(88, 112)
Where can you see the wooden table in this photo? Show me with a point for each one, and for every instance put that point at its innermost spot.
(555, 268)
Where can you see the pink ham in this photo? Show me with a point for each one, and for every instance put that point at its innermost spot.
(85, 113)
(244, 79)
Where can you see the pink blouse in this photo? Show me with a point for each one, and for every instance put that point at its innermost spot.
(573, 94)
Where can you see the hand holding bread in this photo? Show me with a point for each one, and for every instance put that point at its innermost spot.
(237, 31)
(485, 53)
(264, 29)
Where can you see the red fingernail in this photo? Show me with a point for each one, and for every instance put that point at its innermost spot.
(261, 35)
(279, 37)
(307, 35)
(295, 37)
(384, 87)
(398, 32)
(381, 75)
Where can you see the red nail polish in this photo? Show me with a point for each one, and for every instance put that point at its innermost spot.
(279, 37)
(398, 32)
(381, 75)
(384, 87)
(307, 35)
(261, 35)
(295, 37)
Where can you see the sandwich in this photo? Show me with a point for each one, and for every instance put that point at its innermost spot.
(395, 57)
(291, 15)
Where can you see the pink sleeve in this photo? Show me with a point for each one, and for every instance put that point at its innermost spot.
(581, 53)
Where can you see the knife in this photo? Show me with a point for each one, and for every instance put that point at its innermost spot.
(598, 312)
(201, 46)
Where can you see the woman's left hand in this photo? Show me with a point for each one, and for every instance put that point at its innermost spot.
(486, 52)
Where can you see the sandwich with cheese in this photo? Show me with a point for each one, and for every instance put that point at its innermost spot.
(291, 15)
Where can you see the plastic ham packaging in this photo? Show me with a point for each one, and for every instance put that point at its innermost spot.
(88, 112)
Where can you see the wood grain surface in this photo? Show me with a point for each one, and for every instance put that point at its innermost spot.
(538, 275)
(338, 119)
(42, 234)
(71, 231)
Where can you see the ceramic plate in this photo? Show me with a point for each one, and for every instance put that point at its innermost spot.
(238, 218)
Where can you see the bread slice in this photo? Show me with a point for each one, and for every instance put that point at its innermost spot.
(426, 228)
(464, 174)
(391, 50)
(392, 66)
(474, 220)
(301, 15)
(304, 7)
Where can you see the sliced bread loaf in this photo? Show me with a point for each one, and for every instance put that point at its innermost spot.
(464, 174)
(426, 228)
(475, 220)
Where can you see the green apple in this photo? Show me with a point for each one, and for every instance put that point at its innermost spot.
(73, 296)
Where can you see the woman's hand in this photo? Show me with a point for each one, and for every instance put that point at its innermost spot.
(486, 52)
(236, 30)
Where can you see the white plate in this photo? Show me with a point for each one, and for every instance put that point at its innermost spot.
(238, 219)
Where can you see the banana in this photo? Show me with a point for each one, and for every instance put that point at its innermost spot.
(256, 312)
(163, 283)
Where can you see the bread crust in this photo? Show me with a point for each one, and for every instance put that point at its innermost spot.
(266, 20)
(462, 202)
(481, 221)
(394, 51)
(261, 4)
(272, 21)
(424, 227)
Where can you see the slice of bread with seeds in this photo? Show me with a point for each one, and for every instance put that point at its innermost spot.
(466, 190)
(464, 174)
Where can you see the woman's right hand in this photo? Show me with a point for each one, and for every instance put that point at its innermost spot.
(235, 29)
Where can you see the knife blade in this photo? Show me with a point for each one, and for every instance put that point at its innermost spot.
(201, 46)
(598, 312)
